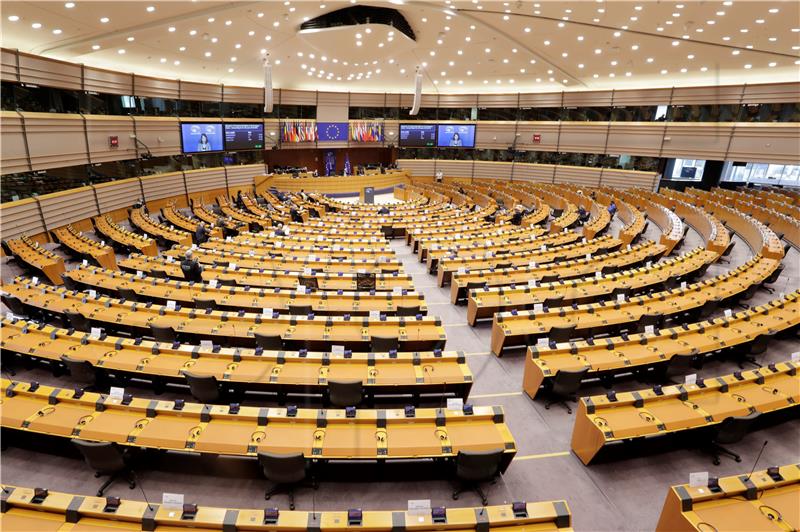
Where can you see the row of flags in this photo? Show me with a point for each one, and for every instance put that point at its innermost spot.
(307, 131)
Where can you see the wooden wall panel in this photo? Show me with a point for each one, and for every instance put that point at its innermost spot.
(642, 97)
(162, 186)
(498, 100)
(8, 65)
(293, 97)
(458, 100)
(363, 99)
(707, 95)
(588, 99)
(635, 138)
(539, 173)
(156, 87)
(576, 175)
(547, 131)
(49, 72)
(21, 218)
(244, 174)
(417, 167)
(62, 208)
(499, 135)
(206, 179)
(769, 143)
(700, 141)
(13, 154)
(99, 80)
(453, 168)
(624, 179)
(99, 128)
(588, 137)
(253, 95)
(116, 195)
(201, 92)
(492, 170)
(55, 140)
(406, 100)
(160, 134)
(391, 132)
(332, 107)
(546, 99)
(772, 93)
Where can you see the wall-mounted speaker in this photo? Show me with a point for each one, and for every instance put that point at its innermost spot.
(417, 94)
(268, 103)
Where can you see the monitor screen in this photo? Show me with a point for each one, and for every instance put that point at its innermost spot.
(244, 136)
(199, 137)
(456, 136)
(418, 135)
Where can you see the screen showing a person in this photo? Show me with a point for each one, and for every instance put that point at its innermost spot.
(418, 135)
(456, 136)
(199, 137)
(244, 136)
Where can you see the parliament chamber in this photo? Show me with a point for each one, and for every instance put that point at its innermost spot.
(400, 266)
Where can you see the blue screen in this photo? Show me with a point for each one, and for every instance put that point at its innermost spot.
(456, 136)
(199, 137)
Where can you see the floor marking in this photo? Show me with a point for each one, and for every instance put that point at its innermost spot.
(456, 324)
(488, 395)
(478, 354)
(537, 456)
(438, 304)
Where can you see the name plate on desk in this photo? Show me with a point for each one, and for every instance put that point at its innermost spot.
(232, 266)
(171, 305)
(213, 283)
(455, 403)
(140, 274)
(698, 479)
(206, 344)
(337, 349)
(266, 312)
(691, 378)
(172, 500)
(116, 393)
(96, 332)
(397, 290)
(374, 314)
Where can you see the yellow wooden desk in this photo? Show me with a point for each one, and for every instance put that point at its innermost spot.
(639, 351)
(180, 220)
(38, 258)
(149, 226)
(280, 372)
(268, 278)
(300, 262)
(228, 328)
(86, 247)
(197, 428)
(292, 249)
(743, 502)
(601, 422)
(415, 236)
(627, 257)
(485, 302)
(125, 238)
(329, 240)
(520, 327)
(62, 512)
(227, 297)
(447, 267)
(460, 241)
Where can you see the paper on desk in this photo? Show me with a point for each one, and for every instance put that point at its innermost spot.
(691, 378)
(85, 262)
(374, 314)
(337, 349)
(698, 479)
(96, 332)
(35, 280)
(455, 403)
(172, 500)
(397, 290)
(140, 274)
(116, 392)
(213, 283)
(266, 312)
(206, 344)
(419, 506)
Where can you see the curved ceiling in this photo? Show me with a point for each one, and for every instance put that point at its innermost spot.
(461, 46)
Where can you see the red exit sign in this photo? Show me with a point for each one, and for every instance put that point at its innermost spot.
(113, 141)
(537, 138)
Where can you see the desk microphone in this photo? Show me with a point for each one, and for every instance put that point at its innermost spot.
(141, 488)
(757, 459)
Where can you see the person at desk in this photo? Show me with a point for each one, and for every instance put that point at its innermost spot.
(201, 234)
(303, 195)
(519, 213)
(280, 231)
(384, 210)
(583, 216)
(612, 208)
(192, 271)
(295, 215)
(239, 200)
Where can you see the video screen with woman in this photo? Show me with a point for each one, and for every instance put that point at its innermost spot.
(456, 136)
(201, 137)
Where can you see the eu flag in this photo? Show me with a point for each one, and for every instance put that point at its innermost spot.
(332, 131)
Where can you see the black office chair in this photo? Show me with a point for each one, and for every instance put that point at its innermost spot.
(221, 263)
(408, 311)
(70, 283)
(704, 311)
(384, 344)
(772, 279)
(269, 342)
(365, 282)
(474, 467)
(309, 282)
(549, 278)
(286, 470)
(345, 393)
(656, 320)
(128, 294)
(620, 291)
(502, 265)
(78, 321)
(300, 310)
(554, 302)
(732, 430)
(81, 371)
(727, 252)
(609, 269)
(675, 366)
(106, 459)
(565, 385)
(747, 295)
(158, 274)
(205, 303)
(388, 231)
(14, 304)
(163, 334)
(562, 334)
(204, 388)
(744, 354)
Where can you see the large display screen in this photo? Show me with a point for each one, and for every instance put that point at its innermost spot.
(199, 137)
(418, 135)
(244, 136)
(456, 136)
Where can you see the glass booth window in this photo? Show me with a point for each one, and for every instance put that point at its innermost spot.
(762, 173)
(688, 170)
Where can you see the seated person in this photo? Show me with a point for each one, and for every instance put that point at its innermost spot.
(383, 210)
(295, 214)
(201, 234)
(192, 271)
(279, 231)
(612, 208)
(516, 219)
(583, 216)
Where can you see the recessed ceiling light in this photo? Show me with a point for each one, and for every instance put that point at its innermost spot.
(359, 43)
(237, 45)
(612, 75)
(598, 51)
(469, 72)
(267, 37)
(720, 13)
(36, 25)
(774, 10)
(561, 24)
(13, 18)
(95, 47)
(580, 65)
(207, 54)
(773, 39)
(121, 51)
(664, 71)
(432, 53)
(617, 33)
(773, 64)
(171, 29)
(613, 63)
(527, 30)
(194, 32)
(703, 69)
(163, 60)
(659, 28)
(650, 59)
(230, 70)
(726, 38)
(56, 31)
(276, 24)
(533, 61)
(131, 39)
(727, 3)
(277, 61)
(744, 30)
(176, 62)
(260, 15)
(233, 59)
(214, 40)
(595, 76)
(683, 70)
(628, 74)
(711, 22)
(211, 19)
(676, 15)
(638, 8)
(150, 9)
(635, 47)
(69, 5)
(690, 56)
(580, 37)
(748, 66)
(675, 43)
(182, 49)
(736, 52)
(228, 22)
(634, 19)
(547, 43)
(564, 54)
(487, 50)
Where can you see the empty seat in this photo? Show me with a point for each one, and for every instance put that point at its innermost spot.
(204, 303)
(163, 334)
(158, 274)
(474, 467)
(409, 311)
(204, 388)
(345, 393)
(105, 458)
(81, 371)
(286, 470)
(300, 310)
(78, 321)
(365, 281)
(564, 386)
(127, 293)
(732, 430)
(269, 342)
(14, 304)
(381, 344)
(562, 334)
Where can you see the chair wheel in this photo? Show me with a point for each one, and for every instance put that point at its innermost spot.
(455, 496)
(716, 461)
(266, 497)
(547, 407)
(99, 493)
(738, 459)
(97, 475)
(131, 485)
